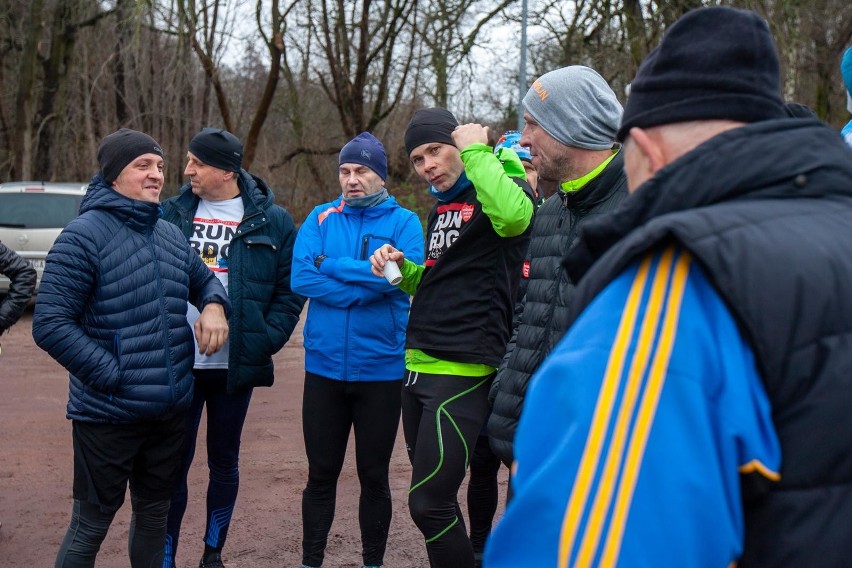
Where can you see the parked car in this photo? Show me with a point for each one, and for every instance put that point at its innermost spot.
(32, 214)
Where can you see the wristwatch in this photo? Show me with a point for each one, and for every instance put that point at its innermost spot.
(318, 260)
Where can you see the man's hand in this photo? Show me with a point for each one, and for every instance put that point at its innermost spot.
(384, 254)
(211, 329)
(466, 134)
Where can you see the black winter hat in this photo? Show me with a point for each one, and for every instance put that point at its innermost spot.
(799, 110)
(218, 148)
(122, 147)
(430, 125)
(713, 63)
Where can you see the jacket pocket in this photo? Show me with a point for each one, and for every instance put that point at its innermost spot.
(112, 383)
(369, 244)
(260, 260)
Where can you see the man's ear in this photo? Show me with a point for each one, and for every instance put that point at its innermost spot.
(651, 147)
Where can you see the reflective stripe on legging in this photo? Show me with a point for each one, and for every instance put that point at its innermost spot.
(442, 411)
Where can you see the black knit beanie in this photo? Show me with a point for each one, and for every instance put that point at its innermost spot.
(430, 125)
(218, 148)
(713, 63)
(799, 110)
(122, 147)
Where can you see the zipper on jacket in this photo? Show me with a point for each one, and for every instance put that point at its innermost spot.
(116, 349)
(349, 312)
(365, 242)
(165, 318)
(560, 279)
(563, 210)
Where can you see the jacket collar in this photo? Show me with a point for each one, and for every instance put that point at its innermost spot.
(598, 189)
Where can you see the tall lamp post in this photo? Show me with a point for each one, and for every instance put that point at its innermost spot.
(522, 68)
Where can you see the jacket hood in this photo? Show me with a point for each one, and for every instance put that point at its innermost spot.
(257, 189)
(140, 216)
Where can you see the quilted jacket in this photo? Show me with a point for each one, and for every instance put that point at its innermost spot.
(112, 307)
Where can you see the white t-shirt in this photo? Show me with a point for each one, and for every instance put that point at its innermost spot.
(213, 227)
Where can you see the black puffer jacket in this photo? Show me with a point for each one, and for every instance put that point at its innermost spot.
(22, 281)
(543, 318)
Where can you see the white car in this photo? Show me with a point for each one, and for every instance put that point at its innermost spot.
(32, 214)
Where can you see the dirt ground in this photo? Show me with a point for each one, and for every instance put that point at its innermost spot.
(266, 531)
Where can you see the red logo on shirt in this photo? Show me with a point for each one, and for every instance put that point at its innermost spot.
(525, 271)
(467, 212)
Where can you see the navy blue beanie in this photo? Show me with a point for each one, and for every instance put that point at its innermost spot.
(367, 150)
(122, 147)
(430, 125)
(713, 64)
(218, 148)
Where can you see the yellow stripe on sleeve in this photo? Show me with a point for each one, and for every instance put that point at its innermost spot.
(615, 450)
(601, 417)
(647, 410)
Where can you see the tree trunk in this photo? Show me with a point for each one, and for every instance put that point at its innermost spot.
(276, 48)
(22, 136)
(56, 68)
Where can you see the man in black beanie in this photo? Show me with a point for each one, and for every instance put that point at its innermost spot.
(461, 314)
(246, 241)
(696, 411)
(111, 309)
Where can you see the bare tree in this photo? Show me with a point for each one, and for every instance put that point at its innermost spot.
(69, 18)
(20, 139)
(368, 48)
(810, 44)
(450, 30)
(210, 25)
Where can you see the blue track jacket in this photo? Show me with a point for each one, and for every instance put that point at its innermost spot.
(635, 431)
(355, 328)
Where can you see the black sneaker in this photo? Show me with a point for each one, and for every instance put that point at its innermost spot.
(212, 560)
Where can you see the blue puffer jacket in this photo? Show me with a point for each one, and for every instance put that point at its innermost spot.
(355, 329)
(264, 308)
(112, 309)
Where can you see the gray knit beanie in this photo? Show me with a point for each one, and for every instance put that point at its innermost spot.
(575, 106)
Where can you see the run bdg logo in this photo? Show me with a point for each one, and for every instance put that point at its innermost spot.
(448, 225)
